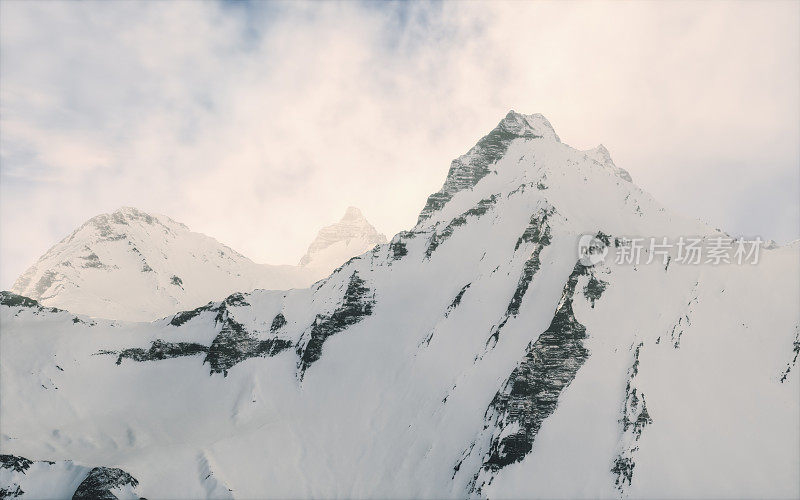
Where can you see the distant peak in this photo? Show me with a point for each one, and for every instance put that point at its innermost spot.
(535, 125)
(352, 214)
(353, 231)
(467, 170)
(123, 217)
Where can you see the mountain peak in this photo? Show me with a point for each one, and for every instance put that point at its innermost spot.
(352, 235)
(467, 170)
(353, 214)
(531, 126)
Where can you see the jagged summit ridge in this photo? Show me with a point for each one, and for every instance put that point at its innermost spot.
(531, 126)
(467, 170)
(352, 235)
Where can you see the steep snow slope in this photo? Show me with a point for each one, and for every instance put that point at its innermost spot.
(470, 356)
(334, 244)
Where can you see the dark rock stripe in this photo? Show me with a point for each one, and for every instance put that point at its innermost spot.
(635, 418)
(531, 392)
(438, 238)
(538, 233)
(357, 304)
(160, 350)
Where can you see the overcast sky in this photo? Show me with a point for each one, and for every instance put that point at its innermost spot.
(259, 123)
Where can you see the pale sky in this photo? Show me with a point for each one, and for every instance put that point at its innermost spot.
(258, 123)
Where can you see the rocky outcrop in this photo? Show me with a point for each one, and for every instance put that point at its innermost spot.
(796, 351)
(537, 233)
(531, 392)
(100, 481)
(234, 344)
(635, 418)
(15, 463)
(356, 304)
(160, 350)
(439, 237)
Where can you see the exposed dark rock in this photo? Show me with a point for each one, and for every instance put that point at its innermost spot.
(594, 289)
(531, 392)
(233, 344)
(160, 349)
(457, 300)
(100, 481)
(176, 281)
(538, 233)
(466, 171)
(278, 322)
(355, 306)
(635, 418)
(13, 491)
(439, 237)
(11, 299)
(184, 316)
(398, 249)
(796, 351)
(236, 300)
(455, 303)
(15, 463)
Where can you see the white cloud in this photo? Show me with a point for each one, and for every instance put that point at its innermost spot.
(258, 123)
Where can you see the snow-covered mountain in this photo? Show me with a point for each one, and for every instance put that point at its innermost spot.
(130, 265)
(334, 244)
(474, 355)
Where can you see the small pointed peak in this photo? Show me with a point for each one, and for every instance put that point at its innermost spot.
(535, 125)
(352, 214)
(125, 210)
(601, 155)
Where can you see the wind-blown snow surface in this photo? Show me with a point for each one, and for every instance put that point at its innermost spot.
(469, 356)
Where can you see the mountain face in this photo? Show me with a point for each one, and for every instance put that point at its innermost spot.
(474, 355)
(334, 244)
(130, 265)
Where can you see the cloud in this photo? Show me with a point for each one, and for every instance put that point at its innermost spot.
(258, 123)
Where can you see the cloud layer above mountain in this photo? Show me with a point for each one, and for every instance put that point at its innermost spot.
(259, 123)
